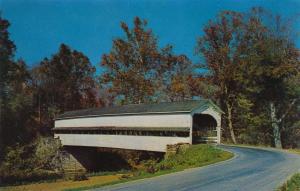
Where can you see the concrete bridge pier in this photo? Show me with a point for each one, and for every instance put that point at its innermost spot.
(79, 159)
(93, 159)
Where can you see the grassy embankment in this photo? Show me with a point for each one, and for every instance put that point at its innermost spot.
(195, 156)
(293, 184)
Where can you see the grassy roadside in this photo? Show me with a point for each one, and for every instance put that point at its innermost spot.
(293, 184)
(62, 184)
(295, 151)
(195, 156)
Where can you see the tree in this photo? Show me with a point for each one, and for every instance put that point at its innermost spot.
(290, 124)
(199, 87)
(220, 48)
(131, 63)
(137, 70)
(251, 62)
(173, 77)
(7, 51)
(269, 61)
(64, 82)
(15, 99)
(6, 55)
(278, 58)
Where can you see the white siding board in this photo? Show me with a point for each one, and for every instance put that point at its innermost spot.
(147, 143)
(172, 120)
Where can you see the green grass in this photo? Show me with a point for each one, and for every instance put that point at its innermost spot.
(195, 156)
(91, 174)
(296, 151)
(292, 185)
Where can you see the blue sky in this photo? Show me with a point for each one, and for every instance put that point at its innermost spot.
(39, 27)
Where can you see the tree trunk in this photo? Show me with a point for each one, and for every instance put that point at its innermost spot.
(229, 121)
(39, 110)
(275, 126)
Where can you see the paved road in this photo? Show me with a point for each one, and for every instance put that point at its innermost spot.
(249, 170)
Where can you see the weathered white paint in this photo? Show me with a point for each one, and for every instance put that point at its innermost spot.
(219, 134)
(150, 143)
(165, 120)
(191, 129)
(210, 111)
(147, 143)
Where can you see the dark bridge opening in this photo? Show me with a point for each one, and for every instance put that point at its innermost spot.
(204, 129)
(99, 159)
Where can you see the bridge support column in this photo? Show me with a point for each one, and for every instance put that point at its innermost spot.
(78, 159)
(219, 135)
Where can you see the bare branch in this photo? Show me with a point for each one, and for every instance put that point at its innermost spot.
(288, 110)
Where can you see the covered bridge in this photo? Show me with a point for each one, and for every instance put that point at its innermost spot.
(148, 127)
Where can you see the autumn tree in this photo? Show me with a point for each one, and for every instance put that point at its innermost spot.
(268, 61)
(173, 77)
(62, 83)
(219, 46)
(138, 71)
(251, 62)
(276, 70)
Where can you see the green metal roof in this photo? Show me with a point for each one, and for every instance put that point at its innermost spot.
(143, 109)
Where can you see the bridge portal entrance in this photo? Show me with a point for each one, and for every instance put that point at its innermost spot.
(204, 129)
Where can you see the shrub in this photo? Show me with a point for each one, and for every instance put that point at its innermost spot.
(150, 166)
(47, 153)
(165, 166)
(32, 162)
(292, 185)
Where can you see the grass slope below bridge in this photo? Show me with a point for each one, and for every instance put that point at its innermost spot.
(194, 156)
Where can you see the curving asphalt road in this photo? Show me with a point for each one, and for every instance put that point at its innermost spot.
(250, 170)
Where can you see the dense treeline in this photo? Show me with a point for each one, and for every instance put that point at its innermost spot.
(255, 65)
(250, 67)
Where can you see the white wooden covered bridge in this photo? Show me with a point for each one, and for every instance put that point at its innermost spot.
(148, 127)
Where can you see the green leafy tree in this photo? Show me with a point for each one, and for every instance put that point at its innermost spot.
(251, 62)
(290, 124)
(277, 62)
(16, 124)
(6, 55)
(6, 63)
(270, 60)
